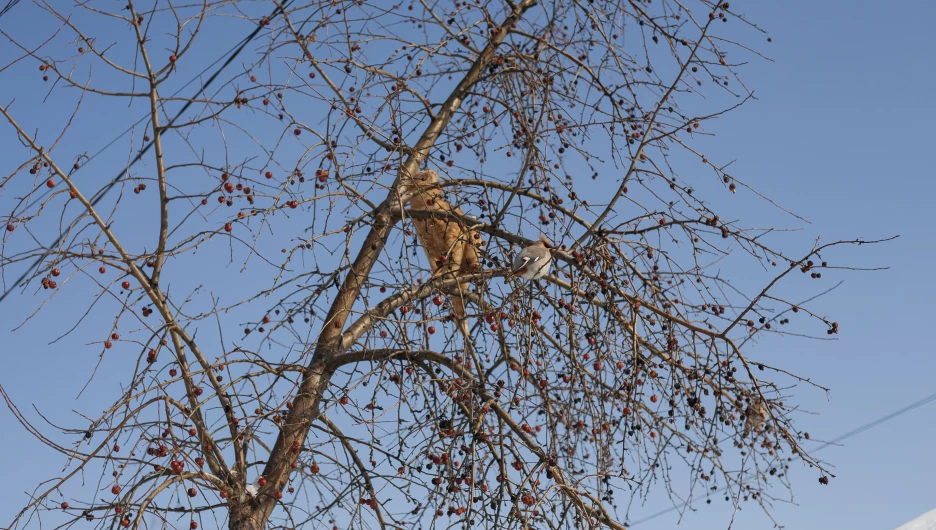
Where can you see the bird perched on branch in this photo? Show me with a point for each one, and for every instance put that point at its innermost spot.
(533, 262)
(450, 246)
(755, 417)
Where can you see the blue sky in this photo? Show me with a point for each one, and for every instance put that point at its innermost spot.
(841, 134)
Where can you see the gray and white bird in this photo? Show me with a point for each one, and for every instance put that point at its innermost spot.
(533, 262)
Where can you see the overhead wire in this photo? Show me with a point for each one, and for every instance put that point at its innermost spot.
(10, 5)
(237, 49)
(841, 438)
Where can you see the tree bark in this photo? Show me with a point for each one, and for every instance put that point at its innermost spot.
(330, 344)
(244, 516)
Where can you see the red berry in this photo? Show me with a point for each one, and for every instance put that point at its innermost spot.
(314, 469)
(173, 372)
(56, 272)
(102, 270)
(431, 329)
(10, 227)
(115, 490)
(107, 344)
(261, 481)
(172, 58)
(344, 400)
(269, 174)
(192, 492)
(125, 284)
(192, 431)
(297, 131)
(50, 183)
(228, 227)
(115, 336)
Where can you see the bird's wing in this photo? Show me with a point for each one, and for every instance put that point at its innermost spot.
(533, 259)
(519, 264)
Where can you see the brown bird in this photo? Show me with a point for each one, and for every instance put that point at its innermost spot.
(755, 417)
(450, 246)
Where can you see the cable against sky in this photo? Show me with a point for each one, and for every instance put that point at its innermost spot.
(237, 49)
(7, 8)
(841, 438)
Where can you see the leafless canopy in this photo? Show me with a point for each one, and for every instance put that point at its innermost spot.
(247, 244)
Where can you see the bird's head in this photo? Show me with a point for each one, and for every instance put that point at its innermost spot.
(425, 182)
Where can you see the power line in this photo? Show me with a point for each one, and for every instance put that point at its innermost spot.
(10, 5)
(854, 432)
(237, 49)
(875, 423)
(146, 115)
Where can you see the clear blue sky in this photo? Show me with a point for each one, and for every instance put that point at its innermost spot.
(841, 133)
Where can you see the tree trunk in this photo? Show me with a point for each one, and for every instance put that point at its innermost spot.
(244, 517)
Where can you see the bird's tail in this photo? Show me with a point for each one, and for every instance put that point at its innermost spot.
(459, 309)
(516, 272)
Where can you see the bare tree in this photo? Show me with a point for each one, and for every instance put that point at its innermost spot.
(297, 362)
